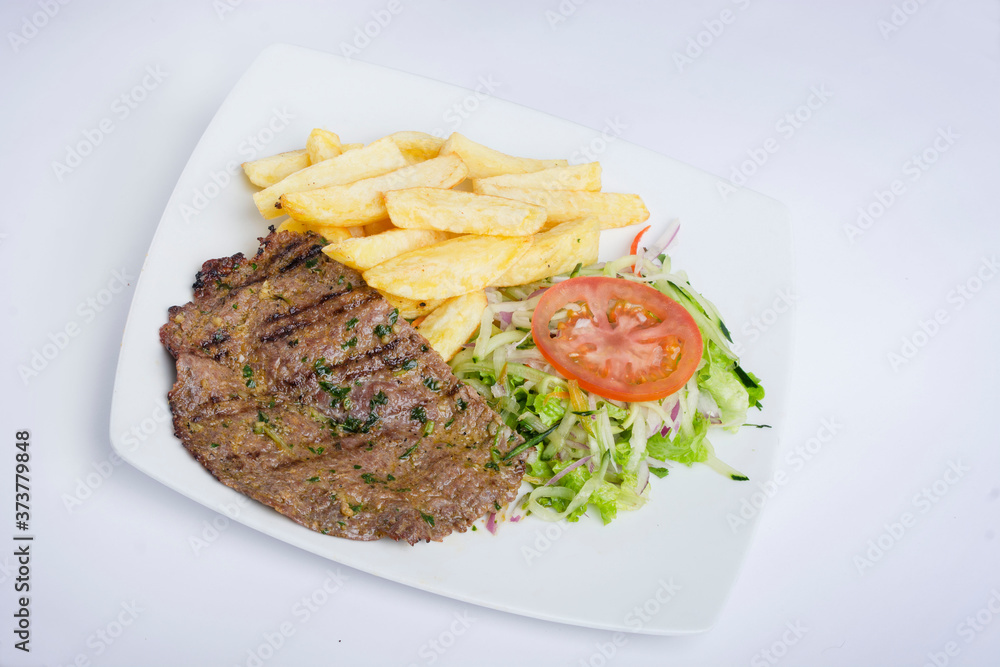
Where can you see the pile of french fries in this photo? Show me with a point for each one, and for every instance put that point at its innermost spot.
(431, 223)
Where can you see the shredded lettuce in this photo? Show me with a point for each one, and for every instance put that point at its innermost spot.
(575, 479)
(598, 453)
(614, 412)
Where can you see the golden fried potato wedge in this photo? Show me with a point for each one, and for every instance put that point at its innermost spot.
(417, 146)
(457, 266)
(573, 177)
(364, 253)
(452, 324)
(462, 212)
(269, 170)
(351, 147)
(411, 309)
(380, 157)
(484, 162)
(322, 145)
(362, 202)
(612, 209)
(331, 234)
(556, 251)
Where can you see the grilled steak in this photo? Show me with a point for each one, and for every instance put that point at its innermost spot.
(298, 386)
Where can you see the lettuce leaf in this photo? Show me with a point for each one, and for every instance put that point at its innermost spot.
(718, 377)
(605, 498)
(548, 408)
(539, 468)
(686, 449)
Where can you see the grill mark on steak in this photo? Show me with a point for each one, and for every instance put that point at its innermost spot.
(283, 332)
(275, 317)
(313, 252)
(285, 393)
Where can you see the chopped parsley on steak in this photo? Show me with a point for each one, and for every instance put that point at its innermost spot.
(299, 386)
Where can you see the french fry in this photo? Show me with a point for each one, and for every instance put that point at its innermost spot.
(410, 309)
(450, 268)
(612, 209)
(362, 202)
(322, 145)
(451, 324)
(364, 253)
(380, 157)
(573, 177)
(269, 170)
(392, 210)
(462, 212)
(330, 234)
(378, 227)
(417, 146)
(484, 162)
(556, 251)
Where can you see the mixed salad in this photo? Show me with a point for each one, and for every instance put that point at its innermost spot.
(609, 374)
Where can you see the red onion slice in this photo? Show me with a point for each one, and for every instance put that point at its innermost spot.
(565, 470)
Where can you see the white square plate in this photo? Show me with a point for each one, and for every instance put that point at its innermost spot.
(665, 569)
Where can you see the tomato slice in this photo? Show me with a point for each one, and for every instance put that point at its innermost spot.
(624, 340)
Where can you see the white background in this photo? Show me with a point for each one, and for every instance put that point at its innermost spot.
(888, 90)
